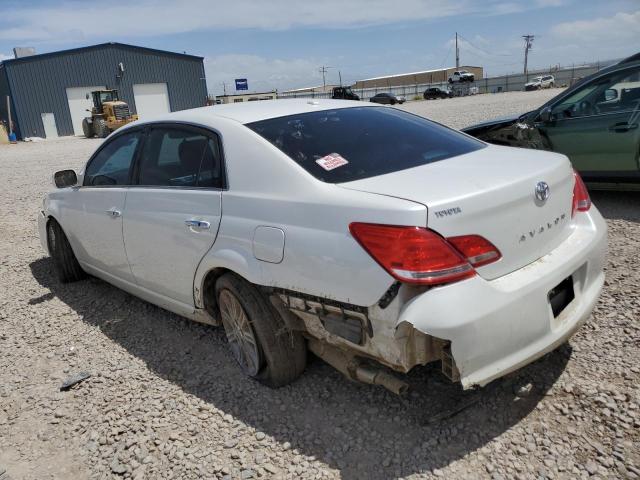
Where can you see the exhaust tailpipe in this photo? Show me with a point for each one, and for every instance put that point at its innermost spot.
(382, 378)
(349, 366)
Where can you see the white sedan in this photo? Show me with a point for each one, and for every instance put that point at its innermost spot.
(375, 238)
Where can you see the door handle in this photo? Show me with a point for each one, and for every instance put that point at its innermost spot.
(623, 127)
(113, 212)
(197, 224)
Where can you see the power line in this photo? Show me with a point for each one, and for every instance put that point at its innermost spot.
(484, 51)
(447, 56)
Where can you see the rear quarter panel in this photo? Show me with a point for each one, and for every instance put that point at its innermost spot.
(266, 188)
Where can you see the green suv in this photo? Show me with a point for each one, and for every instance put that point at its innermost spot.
(596, 123)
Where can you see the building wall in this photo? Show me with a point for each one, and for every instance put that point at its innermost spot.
(249, 97)
(38, 84)
(435, 76)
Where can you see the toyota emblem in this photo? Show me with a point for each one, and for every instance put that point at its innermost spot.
(542, 192)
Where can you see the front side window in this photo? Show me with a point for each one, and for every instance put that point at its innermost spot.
(111, 165)
(348, 144)
(178, 157)
(614, 93)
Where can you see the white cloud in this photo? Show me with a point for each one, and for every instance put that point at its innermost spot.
(77, 21)
(263, 74)
(608, 30)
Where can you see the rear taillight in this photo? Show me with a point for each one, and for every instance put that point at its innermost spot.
(418, 255)
(581, 199)
(476, 249)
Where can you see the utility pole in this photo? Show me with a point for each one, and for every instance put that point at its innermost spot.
(457, 53)
(528, 42)
(324, 70)
(224, 88)
(340, 76)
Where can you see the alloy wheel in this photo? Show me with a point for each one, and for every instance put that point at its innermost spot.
(240, 334)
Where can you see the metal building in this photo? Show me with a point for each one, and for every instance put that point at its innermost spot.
(48, 91)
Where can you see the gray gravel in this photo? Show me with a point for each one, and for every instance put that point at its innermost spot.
(165, 400)
(466, 111)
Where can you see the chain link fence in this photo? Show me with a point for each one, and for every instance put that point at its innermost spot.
(564, 76)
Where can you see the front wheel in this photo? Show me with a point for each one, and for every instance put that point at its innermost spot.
(64, 260)
(101, 128)
(259, 340)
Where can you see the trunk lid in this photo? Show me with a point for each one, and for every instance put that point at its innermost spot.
(490, 192)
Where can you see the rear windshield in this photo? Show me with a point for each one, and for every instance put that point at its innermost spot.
(349, 144)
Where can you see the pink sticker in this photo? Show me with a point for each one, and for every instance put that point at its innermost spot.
(331, 161)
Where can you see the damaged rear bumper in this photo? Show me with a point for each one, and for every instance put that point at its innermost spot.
(498, 326)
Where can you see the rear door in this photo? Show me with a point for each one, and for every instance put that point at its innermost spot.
(598, 126)
(173, 211)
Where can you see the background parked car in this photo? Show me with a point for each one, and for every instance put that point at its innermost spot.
(437, 92)
(344, 93)
(461, 76)
(546, 81)
(596, 123)
(387, 99)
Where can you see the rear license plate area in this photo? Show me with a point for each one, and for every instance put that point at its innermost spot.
(560, 296)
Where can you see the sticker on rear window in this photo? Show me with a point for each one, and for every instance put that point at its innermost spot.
(331, 161)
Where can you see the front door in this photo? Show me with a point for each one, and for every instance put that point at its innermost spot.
(173, 212)
(96, 208)
(598, 126)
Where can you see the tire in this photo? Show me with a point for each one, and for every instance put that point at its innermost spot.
(101, 128)
(281, 353)
(87, 128)
(64, 260)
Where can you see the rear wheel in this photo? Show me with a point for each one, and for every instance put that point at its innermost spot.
(65, 262)
(87, 128)
(101, 128)
(260, 342)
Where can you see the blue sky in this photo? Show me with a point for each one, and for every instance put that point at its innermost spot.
(282, 43)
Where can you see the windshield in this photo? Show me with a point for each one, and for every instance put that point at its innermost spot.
(108, 96)
(349, 144)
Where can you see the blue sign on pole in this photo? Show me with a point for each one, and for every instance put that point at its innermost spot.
(242, 84)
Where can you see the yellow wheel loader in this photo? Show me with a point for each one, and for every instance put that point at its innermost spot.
(108, 114)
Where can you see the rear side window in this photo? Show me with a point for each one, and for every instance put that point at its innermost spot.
(110, 166)
(178, 157)
(349, 144)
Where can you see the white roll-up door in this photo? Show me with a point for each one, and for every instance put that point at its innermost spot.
(78, 105)
(151, 99)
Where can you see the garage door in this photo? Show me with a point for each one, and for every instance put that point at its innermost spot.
(151, 99)
(78, 105)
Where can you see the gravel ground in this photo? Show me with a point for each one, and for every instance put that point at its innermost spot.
(165, 400)
(467, 111)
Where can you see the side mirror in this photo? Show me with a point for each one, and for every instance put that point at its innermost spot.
(545, 115)
(65, 178)
(610, 94)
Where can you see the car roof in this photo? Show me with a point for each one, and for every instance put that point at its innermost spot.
(247, 112)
